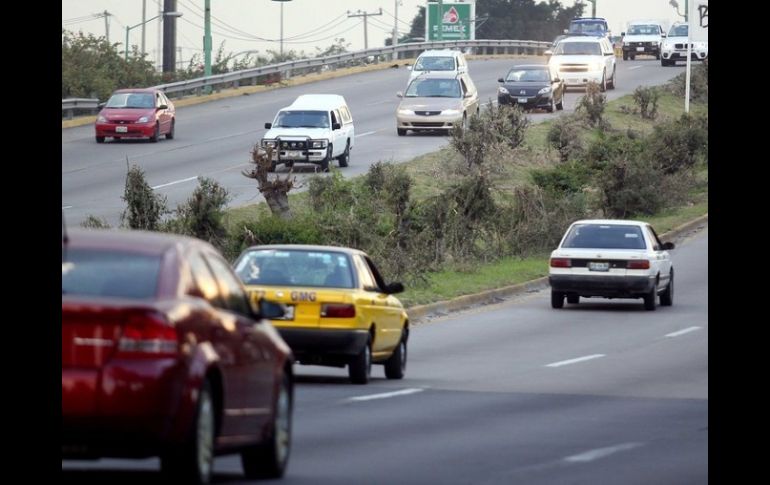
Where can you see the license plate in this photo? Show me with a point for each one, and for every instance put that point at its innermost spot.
(294, 154)
(640, 49)
(596, 266)
(121, 129)
(289, 314)
(522, 100)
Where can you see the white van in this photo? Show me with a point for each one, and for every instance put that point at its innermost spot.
(643, 37)
(315, 128)
(445, 60)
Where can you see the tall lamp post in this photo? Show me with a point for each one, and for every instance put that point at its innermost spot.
(282, 2)
(166, 14)
(675, 4)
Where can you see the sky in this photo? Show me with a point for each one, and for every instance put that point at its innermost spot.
(307, 24)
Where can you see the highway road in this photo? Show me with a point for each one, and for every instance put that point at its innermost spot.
(215, 139)
(515, 393)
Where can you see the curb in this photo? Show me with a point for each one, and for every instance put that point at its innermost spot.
(440, 308)
(297, 81)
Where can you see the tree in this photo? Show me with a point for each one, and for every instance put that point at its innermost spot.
(275, 191)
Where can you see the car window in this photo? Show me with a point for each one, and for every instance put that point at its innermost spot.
(527, 75)
(578, 49)
(302, 119)
(434, 88)
(345, 112)
(94, 272)
(643, 30)
(203, 279)
(233, 294)
(131, 101)
(434, 63)
(604, 236)
(655, 239)
(678, 31)
(335, 116)
(368, 280)
(295, 267)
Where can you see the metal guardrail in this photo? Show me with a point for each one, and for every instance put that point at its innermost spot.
(71, 104)
(401, 51)
(286, 70)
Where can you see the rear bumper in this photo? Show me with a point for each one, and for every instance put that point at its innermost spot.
(324, 347)
(605, 286)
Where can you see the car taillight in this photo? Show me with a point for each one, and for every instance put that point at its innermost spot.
(337, 310)
(561, 263)
(638, 264)
(148, 335)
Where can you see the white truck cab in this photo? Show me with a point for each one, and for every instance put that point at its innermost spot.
(315, 128)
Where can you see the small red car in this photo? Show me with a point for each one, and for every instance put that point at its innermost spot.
(136, 113)
(164, 355)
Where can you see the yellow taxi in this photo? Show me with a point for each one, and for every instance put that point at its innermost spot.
(339, 310)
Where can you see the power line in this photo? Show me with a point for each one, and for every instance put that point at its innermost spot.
(365, 15)
(405, 23)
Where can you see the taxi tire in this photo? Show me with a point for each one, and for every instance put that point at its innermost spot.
(269, 460)
(667, 297)
(360, 368)
(395, 366)
(325, 161)
(344, 159)
(170, 134)
(155, 134)
(650, 298)
(194, 462)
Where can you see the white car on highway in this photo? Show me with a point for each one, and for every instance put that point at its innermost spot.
(675, 46)
(611, 258)
(580, 59)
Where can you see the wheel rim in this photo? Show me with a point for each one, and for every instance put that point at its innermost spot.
(205, 438)
(283, 425)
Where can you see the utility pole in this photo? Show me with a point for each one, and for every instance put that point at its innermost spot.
(169, 36)
(207, 41)
(365, 15)
(106, 15)
(395, 26)
(144, 20)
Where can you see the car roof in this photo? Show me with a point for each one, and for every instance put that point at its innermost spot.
(644, 22)
(146, 242)
(581, 38)
(306, 247)
(318, 101)
(530, 66)
(135, 90)
(440, 52)
(611, 222)
(583, 19)
(439, 75)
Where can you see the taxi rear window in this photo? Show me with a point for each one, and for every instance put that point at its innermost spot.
(273, 267)
(604, 236)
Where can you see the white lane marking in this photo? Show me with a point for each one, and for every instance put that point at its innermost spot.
(682, 332)
(384, 395)
(66, 207)
(174, 182)
(635, 67)
(600, 453)
(573, 361)
(367, 133)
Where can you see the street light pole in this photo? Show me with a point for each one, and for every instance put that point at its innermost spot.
(281, 45)
(128, 29)
(207, 41)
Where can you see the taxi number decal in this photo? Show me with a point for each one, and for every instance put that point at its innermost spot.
(303, 296)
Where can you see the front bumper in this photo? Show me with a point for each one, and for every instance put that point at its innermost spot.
(575, 79)
(620, 286)
(324, 347)
(433, 122)
(676, 55)
(132, 130)
(526, 102)
(651, 50)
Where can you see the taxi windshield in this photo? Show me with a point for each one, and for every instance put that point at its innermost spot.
(295, 267)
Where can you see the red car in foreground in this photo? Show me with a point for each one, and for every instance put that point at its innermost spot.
(164, 355)
(136, 113)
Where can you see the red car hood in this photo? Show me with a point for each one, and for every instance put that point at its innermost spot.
(129, 114)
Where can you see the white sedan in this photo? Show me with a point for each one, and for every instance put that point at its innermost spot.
(611, 259)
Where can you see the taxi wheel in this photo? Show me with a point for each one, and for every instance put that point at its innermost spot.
(344, 159)
(649, 298)
(557, 299)
(155, 134)
(195, 461)
(395, 366)
(325, 161)
(170, 134)
(667, 297)
(360, 368)
(269, 460)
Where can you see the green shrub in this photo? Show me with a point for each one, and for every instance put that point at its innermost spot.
(564, 136)
(647, 100)
(679, 144)
(202, 215)
(144, 208)
(93, 222)
(592, 104)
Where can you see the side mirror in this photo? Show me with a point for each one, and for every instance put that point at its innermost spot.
(270, 309)
(663, 34)
(163, 106)
(408, 67)
(566, 31)
(101, 105)
(394, 288)
(668, 245)
(399, 94)
(468, 95)
(268, 126)
(622, 34)
(336, 126)
(549, 52)
(501, 80)
(556, 80)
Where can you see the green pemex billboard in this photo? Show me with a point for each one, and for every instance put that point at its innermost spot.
(455, 19)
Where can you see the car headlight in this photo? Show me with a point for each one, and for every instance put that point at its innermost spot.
(143, 119)
(268, 143)
(502, 90)
(450, 112)
(597, 66)
(101, 119)
(407, 112)
(318, 143)
(545, 90)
